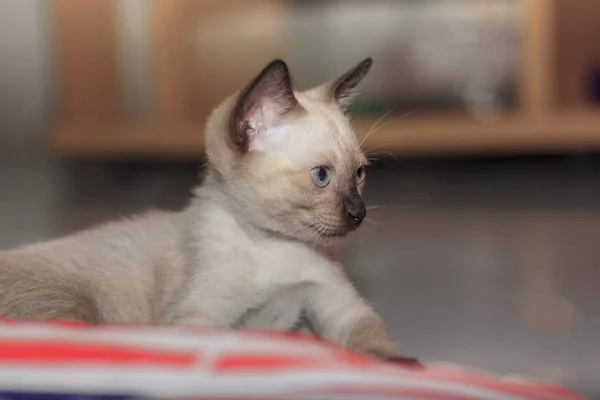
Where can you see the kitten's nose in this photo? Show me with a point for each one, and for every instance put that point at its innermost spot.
(355, 209)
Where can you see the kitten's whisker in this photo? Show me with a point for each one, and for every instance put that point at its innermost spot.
(320, 232)
(372, 160)
(373, 128)
(408, 114)
(308, 235)
(271, 221)
(373, 222)
(376, 206)
(312, 235)
(380, 146)
(367, 230)
(387, 153)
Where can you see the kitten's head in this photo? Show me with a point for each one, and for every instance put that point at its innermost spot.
(290, 161)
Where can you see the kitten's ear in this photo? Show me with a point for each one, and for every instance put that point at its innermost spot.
(263, 104)
(344, 88)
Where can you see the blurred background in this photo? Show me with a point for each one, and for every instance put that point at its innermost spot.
(482, 116)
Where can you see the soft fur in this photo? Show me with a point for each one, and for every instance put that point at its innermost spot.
(250, 249)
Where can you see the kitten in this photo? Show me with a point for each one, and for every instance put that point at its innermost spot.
(284, 178)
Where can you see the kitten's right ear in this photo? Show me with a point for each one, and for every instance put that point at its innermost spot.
(262, 104)
(344, 88)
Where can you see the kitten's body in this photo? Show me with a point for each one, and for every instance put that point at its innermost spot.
(149, 270)
(123, 270)
(246, 252)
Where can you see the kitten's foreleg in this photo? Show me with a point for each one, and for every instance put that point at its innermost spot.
(202, 309)
(338, 313)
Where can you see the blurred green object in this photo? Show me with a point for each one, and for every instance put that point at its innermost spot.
(368, 108)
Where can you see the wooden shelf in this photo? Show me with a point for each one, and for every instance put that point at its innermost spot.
(551, 77)
(462, 135)
(412, 136)
(121, 140)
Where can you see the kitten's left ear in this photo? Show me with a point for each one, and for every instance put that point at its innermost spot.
(344, 88)
(263, 105)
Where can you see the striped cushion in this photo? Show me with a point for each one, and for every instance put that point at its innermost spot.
(66, 360)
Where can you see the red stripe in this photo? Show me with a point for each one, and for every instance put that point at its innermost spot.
(273, 363)
(257, 363)
(357, 360)
(25, 352)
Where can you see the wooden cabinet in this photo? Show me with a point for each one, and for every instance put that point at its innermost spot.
(200, 51)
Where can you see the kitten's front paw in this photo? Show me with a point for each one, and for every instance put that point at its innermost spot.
(411, 362)
(393, 356)
(370, 337)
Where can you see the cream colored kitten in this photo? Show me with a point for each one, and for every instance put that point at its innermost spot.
(284, 178)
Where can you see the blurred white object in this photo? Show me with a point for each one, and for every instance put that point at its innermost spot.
(424, 51)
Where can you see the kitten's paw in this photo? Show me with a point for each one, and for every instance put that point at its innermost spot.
(411, 362)
(392, 355)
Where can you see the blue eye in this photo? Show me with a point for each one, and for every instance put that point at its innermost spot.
(321, 176)
(360, 175)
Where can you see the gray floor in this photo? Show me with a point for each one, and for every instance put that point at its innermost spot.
(492, 264)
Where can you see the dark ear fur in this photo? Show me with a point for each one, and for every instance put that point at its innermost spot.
(272, 88)
(344, 88)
